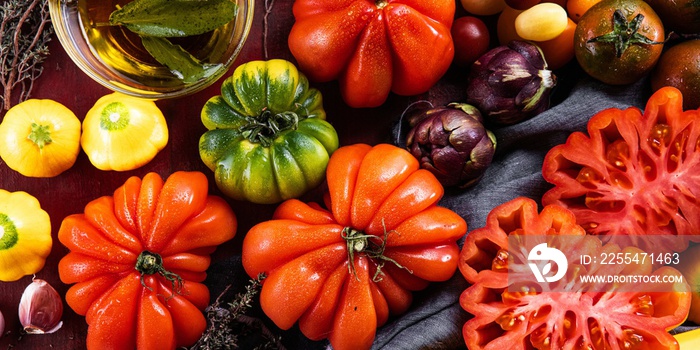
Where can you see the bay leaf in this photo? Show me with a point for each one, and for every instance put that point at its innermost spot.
(180, 62)
(174, 18)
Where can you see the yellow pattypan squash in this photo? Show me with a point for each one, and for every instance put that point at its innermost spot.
(122, 132)
(39, 138)
(25, 235)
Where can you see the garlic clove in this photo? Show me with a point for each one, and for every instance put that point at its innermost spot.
(41, 308)
(2, 325)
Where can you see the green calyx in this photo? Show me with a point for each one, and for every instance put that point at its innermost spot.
(625, 33)
(381, 4)
(8, 232)
(115, 116)
(264, 128)
(372, 246)
(149, 263)
(40, 135)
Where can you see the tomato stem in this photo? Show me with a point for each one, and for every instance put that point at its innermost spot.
(40, 135)
(149, 263)
(372, 246)
(624, 33)
(264, 128)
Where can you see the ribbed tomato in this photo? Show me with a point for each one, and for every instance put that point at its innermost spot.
(341, 272)
(373, 47)
(572, 319)
(634, 173)
(138, 260)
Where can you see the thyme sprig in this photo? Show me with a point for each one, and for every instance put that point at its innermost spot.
(25, 31)
(228, 324)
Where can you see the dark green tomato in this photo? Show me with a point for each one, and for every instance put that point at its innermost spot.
(682, 16)
(618, 41)
(679, 67)
(267, 139)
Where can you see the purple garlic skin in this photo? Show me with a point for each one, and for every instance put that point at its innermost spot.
(509, 84)
(2, 325)
(40, 308)
(452, 143)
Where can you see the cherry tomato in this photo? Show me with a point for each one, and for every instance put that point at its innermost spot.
(561, 3)
(560, 50)
(505, 27)
(483, 7)
(557, 52)
(541, 22)
(522, 4)
(471, 39)
(576, 8)
(604, 47)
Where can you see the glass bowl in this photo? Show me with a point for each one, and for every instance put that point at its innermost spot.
(115, 58)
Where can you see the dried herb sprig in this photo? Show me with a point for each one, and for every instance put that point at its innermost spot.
(25, 33)
(227, 323)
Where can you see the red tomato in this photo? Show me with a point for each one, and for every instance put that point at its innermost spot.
(575, 319)
(522, 4)
(373, 48)
(341, 272)
(483, 7)
(633, 174)
(471, 38)
(138, 259)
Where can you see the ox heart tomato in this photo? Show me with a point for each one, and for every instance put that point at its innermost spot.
(373, 47)
(340, 273)
(138, 259)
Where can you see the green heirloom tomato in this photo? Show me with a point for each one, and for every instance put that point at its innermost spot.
(268, 140)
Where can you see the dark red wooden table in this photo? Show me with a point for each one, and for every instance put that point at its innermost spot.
(69, 192)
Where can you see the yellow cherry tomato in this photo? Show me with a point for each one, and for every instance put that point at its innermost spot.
(25, 235)
(541, 22)
(122, 132)
(39, 138)
(483, 7)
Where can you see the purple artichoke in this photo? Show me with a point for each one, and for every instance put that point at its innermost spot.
(509, 84)
(452, 143)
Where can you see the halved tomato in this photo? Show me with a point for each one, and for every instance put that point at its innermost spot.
(572, 319)
(634, 173)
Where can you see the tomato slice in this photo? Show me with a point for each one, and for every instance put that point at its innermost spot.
(574, 319)
(634, 173)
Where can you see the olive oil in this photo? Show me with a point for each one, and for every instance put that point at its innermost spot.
(122, 51)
